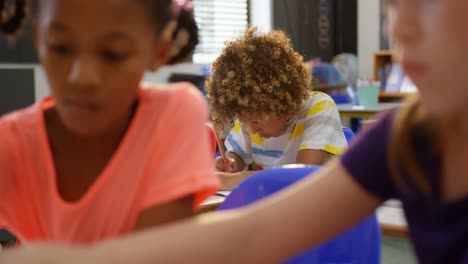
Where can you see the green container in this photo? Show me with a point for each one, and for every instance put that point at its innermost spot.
(368, 95)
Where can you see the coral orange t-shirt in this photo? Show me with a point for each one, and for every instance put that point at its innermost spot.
(165, 155)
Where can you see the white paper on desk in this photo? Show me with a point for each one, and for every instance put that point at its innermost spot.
(213, 199)
(393, 203)
(391, 215)
(223, 193)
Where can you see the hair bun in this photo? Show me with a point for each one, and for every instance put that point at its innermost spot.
(10, 25)
(185, 37)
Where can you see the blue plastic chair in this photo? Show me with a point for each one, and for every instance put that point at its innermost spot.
(341, 98)
(349, 134)
(361, 244)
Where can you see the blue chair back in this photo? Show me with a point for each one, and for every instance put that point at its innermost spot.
(349, 134)
(361, 244)
(341, 98)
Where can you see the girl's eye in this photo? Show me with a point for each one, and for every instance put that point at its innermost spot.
(114, 57)
(60, 49)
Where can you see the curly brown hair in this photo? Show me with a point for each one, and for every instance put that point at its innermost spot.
(259, 76)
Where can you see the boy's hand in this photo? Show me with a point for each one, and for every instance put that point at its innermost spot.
(232, 165)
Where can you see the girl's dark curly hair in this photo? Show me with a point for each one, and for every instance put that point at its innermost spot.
(162, 12)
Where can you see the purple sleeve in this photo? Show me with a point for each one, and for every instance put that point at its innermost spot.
(366, 160)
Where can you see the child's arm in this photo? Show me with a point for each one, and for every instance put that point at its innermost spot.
(236, 166)
(311, 156)
(163, 214)
(236, 163)
(306, 156)
(269, 231)
(231, 180)
(240, 164)
(304, 215)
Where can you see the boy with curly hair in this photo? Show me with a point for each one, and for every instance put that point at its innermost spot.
(261, 82)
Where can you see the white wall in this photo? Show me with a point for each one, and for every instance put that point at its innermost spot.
(41, 85)
(368, 35)
(261, 14)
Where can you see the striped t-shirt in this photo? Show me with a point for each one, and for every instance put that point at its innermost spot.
(317, 126)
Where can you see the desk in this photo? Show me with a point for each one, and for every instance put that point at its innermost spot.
(357, 111)
(393, 96)
(211, 204)
(390, 215)
(392, 220)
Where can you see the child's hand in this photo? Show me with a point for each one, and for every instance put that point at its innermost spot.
(232, 165)
(42, 254)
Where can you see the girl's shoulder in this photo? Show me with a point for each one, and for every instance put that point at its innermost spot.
(21, 120)
(176, 104)
(17, 129)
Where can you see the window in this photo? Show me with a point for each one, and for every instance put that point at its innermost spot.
(218, 21)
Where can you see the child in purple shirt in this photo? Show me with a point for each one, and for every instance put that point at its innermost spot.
(438, 229)
(417, 154)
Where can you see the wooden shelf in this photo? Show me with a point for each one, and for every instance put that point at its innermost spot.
(394, 230)
(384, 53)
(381, 58)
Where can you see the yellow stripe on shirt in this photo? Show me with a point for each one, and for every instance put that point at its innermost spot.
(303, 146)
(333, 150)
(237, 127)
(328, 148)
(319, 93)
(257, 139)
(320, 106)
(297, 132)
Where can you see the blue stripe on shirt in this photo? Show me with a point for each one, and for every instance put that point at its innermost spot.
(236, 148)
(270, 153)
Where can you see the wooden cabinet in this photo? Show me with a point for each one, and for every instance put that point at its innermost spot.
(381, 59)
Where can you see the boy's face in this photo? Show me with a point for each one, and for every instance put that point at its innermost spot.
(272, 127)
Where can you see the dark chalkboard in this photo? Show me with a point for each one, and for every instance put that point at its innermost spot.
(16, 89)
(20, 49)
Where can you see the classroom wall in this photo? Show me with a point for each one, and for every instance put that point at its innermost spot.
(17, 87)
(368, 35)
(261, 15)
(41, 85)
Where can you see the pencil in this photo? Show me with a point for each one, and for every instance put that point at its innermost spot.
(221, 149)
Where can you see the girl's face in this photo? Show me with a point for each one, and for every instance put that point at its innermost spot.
(94, 54)
(432, 39)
